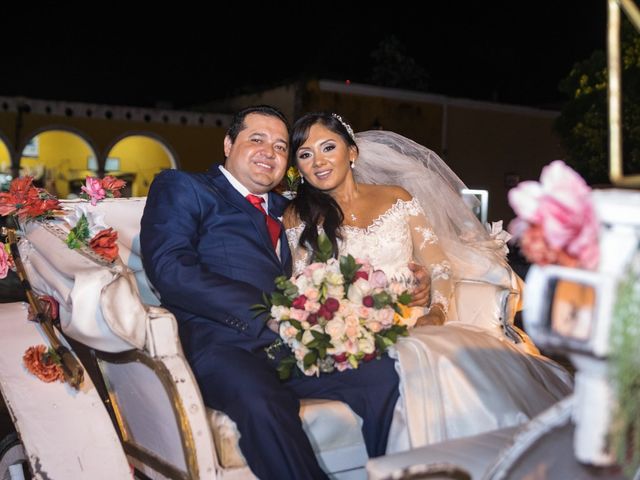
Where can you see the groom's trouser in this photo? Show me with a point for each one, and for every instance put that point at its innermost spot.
(246, 387)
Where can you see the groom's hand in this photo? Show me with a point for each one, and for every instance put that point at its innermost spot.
(420, 294)
(272, 324)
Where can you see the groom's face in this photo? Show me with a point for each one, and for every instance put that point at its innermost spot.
(258, 157)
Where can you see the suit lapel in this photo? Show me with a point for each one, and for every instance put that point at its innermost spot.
(277, 206)
(232, 196)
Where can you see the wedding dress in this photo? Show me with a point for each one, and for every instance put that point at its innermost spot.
(455, 380)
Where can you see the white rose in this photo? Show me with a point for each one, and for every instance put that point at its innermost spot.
(366, 344)
(318, 275)
(357, 290)
(335, 328)
(334, 278)
(335, 291)
(279, 312)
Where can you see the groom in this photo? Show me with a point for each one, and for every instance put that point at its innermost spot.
(211, 253)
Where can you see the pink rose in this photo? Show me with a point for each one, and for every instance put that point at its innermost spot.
(299, 315)
(378, 279)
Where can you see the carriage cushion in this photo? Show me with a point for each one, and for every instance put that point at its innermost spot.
(335, 433)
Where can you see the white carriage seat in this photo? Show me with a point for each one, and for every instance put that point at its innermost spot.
(113, 308)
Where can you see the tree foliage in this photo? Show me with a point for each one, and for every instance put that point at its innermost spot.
(583, 124)
(393, 67)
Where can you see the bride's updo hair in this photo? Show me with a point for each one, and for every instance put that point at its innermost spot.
(313, 206)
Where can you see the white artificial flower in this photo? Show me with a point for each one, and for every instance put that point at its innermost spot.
(95, 219)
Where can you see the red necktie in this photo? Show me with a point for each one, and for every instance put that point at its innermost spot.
(272, 225)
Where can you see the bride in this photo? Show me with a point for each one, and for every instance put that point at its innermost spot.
(455, 379)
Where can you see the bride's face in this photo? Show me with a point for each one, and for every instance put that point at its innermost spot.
(324, 159)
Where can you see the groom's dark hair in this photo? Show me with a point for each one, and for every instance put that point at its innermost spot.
(237, 122)
(313, 206)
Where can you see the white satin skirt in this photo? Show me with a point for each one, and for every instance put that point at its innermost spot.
(458, 380)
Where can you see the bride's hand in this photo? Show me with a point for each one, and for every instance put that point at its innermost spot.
(434, 316)
(420, 294)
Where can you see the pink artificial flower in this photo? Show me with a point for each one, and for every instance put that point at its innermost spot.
(561, 206)
(4, 262)
(93, 188)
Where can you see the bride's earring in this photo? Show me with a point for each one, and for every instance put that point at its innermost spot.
(353, 164)
(301, 179)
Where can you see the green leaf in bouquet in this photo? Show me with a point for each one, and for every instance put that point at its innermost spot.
(285, 367)
(261, 308)
(325, 337)
(295, 323)
(325, 249)
(353, 361)
(401, 330)
(281, 282)
(382, 342)
(309, 359)
(348, 267)
(404, 298)
(381, 300)
(291, 292)
(278, 299)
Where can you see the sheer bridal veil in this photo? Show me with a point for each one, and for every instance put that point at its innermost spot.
(389, 158)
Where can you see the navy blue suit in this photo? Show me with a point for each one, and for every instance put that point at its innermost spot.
(207, 251)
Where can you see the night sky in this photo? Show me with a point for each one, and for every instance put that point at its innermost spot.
(488, 50)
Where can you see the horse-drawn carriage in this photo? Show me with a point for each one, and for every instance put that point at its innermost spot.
(129, 404)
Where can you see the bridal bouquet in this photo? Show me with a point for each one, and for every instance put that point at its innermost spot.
(336, 314)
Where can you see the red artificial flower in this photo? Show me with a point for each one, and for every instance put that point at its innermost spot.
(26, 200)
(104, 243)
(41, 364)
(113, 185)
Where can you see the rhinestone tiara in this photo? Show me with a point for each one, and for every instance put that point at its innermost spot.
(345, 125)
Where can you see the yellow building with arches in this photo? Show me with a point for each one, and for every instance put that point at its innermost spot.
(60, 143)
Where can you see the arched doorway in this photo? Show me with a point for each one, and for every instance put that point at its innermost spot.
(59, 160)
(5, 164)
(138, 158)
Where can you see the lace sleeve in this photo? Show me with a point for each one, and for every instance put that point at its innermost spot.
(299, 255)
(427, 252)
